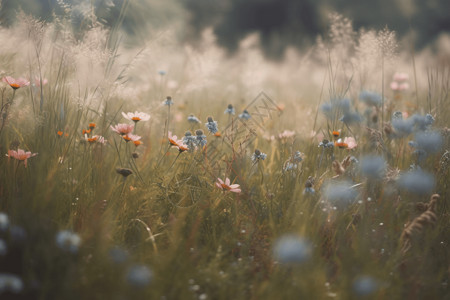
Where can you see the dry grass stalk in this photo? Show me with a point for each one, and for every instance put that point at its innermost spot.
(417, 226)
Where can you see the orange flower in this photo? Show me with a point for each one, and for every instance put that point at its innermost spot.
(92, 139)
(60, 133)
(137, 143)
(217, 134)
(339, 143)
(88, 131)
(92, 126)
(336, 133)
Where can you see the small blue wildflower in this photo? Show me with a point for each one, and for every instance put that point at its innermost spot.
(417, 182)
(340, 194)
(402, 127)
(4, 221)
(327, 110)
(429, 141)
(343, 105)
(168, 101)
(258, 155)
(3, 247)
(397, 115)
(309, 191)
(326, 144)
(245, 115)
(189, 140)
(229, 110)
(162, 72)
(68, 241)
(429, 120)
(10, 283)
(212, 125)
(371, 98)
(298, 156)
(193, 119)
(290, 166)
(422, 122)
(350, 118)
(373, 167)
(365, 285)
(292, 249)
(200, 139)
(139, 276)
(413, 144)
(118, 255)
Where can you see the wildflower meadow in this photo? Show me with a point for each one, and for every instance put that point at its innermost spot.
(167, 171)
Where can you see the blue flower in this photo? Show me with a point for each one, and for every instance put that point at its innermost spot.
(139, 276)
(68, 241)
(212, 125)
(118, 255)
(350, 118)
(429, 141)
(168, 101)
(10, 283)
(371, 98)
(340, 194)
(326, 144)
(365, 285)
(373, 167)
(193, 119)
(258, 155)
(229, 110)
(292, 249)
(245, 115)
(4, 221)
(417, 182)
(200, 139)
(298, 156)
(189, 140)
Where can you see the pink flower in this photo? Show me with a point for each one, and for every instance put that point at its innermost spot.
(15, 83)
(399, 77)
(37, 81)
(175, 142)
(286, 134)
(131, 137)
(351, 143)
(123, 128)
(226, 186)
(136, 116)
(399, 82)
(21, 155)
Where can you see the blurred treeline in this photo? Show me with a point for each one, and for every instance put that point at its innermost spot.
(281, 23)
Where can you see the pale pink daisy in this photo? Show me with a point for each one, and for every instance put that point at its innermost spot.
(37, 81)
(136, 116)
(286, 134)
(15, 83)
(123, 128)
(399, 77)
(351, 143)
(131, 137)
(21, 155)
(227, 186)
(175, 142)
